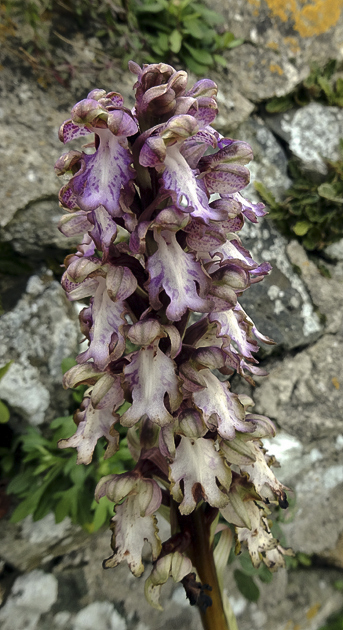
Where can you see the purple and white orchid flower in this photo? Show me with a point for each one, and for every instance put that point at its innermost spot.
(157, 249)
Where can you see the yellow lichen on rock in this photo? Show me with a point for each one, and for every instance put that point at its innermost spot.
(274, 67)
(310, 17)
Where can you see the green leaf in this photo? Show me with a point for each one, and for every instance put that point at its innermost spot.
(326, 87)
(266, 195)
(4, 369)
(226, 39)
(246, 586)
(4, 413)
(211, 17)
(175, 40)
(332, 192)
(193, 66)
(264, 574)
(247, 565)
(235, 43)
(304, 559)
(199, 55)
(301, 228)
(195, 28)
(67, 363)
(102, 512)
(154, 7)
(279, 104)
(221, 61)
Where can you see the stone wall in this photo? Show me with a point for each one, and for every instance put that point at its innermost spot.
(51, 575)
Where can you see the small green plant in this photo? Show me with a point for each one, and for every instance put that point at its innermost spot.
(177, 31)
(321, 85)
(4, 410)
(310, 211)
(48, 479)
(185, 29)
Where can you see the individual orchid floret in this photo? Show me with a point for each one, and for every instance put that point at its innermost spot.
(182, 278)
(96, 419)
(133, 523)
(98, 178)
(200, 467)
(174, 565)
(262, 546)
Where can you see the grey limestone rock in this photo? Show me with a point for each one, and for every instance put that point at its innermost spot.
(280, 305)
(313, 133)
(31, 596)
(281, 41)
(36, 336)
(270, 162)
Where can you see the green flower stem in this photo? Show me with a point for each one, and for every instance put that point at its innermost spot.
(201, 554)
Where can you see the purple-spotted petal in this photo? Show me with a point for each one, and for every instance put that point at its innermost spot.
(92, 425)
(220, 408)
(107, 340)
(74, 223)
(101, 176)
(103, 231)
(226, 178)
(188, 192)
(150, 376)
(175, 271)
(71, 131)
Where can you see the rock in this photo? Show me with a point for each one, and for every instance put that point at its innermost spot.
(40, 217)
(36, 335)
(280, 306)
(260, 73)
(306, 386)
(313, 133)
(303, 601)
(29, 144)
(234, 108)
(270, 162)
(335, 251)
(100, 615)
(28, 544)
(31, 596)
(282, 40)
(326, 292)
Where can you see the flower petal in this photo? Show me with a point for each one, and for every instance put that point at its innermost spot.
(107, 341)
(151, 375)
(173, 565)
(101, 176)
(130, 531)
(92, 425)
(178, 274)
(199, 466)
(220, 407)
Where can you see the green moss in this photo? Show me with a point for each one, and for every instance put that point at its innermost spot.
(310, 212)
(322, 85)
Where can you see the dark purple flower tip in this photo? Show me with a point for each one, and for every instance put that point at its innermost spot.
(96, 94)
(153, 152)
(204, 87)
(179, 128)
(68, 162)
(89, 111)
(178, 82)
(112, 99)
(121, 123)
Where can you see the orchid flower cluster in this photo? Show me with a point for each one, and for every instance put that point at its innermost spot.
(156, 194)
